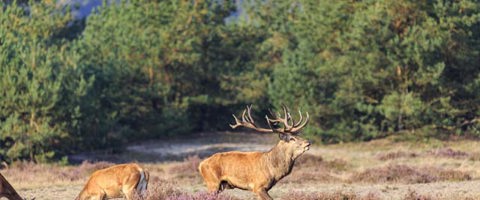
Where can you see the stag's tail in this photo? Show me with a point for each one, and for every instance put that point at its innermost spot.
(143, 182)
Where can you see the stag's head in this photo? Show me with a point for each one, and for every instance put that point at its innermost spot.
(287, 129)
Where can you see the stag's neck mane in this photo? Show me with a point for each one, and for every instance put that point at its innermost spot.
(281, 160)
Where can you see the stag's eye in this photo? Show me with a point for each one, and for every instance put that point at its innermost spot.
(293, 139)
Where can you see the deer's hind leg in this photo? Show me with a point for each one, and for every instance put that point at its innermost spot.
(129, 189)
(211, 180)
(262, 194)
(95, 196)
(213, 183)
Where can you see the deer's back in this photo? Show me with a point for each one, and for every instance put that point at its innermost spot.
(110, 180)
(241, 169)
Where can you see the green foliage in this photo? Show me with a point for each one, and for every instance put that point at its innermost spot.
(146, 69)
(40, 89)
(152, 61)
(372, 68)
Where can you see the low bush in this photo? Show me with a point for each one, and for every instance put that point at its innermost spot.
(408, 174)
(448, 153)
(336, 195)
(414, 195)
(396, 155)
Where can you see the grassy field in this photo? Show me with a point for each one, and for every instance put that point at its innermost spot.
(381, 169)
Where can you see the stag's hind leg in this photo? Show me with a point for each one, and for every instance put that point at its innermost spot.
(212, 182)
(101, 196)
(262, 194)
(210, 178)
(129, 192)
(130, 186)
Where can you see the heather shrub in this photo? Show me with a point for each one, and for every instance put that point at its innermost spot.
(302, 176)
(159, 189)
(308, 160)
(336, 195)
(187, 169)
(451, 175)
(90, 167)
(189, 165)
(475, 156)
(396, 155)
(447, 153)
(300, 195)
(394, 173)
(26, 172)
(201, 196)
(26, 166)
(313, 168)
(371, 196)
(408, 174)
(162, 189)
(316, 161)
(337, 164)
(84, 170)
(414, 195)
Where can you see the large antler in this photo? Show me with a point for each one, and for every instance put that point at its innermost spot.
(247, 121)
(289, 125)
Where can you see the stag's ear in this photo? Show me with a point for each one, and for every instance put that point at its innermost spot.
(284, 136)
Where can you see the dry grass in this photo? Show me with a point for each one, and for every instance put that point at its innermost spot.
(450, 170)
(28, 174)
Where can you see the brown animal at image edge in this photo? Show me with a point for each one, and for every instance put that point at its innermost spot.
(257, 171)
(6, 190)
(115, 182)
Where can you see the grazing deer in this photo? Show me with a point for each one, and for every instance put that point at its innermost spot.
(6, 190)
(257, 171)
(115, 182)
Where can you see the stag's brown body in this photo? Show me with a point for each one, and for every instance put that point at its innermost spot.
(254, 171)
(7, 191)
(115, 182)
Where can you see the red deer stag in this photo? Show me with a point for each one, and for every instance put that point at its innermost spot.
(115, 182)
(6, 190)
(257, 171)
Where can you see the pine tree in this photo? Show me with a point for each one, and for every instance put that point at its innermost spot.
(41, 87)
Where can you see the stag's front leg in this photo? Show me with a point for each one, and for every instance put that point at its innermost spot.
(262, 194)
